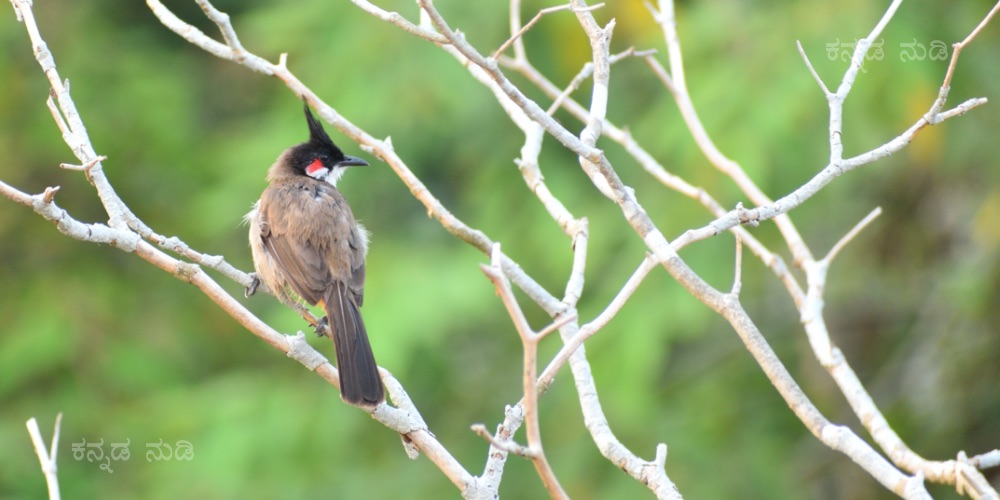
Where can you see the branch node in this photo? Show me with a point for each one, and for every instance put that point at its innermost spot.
(748, 217)
(507, 446)
(661, 456)
(86, 167)
(986, 460)
(213, 260)
(186, 271)
(50, 194)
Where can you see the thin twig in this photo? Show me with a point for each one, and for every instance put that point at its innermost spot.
(556, 325)
(507, 446)
(738, 272)
(812, 70)
(586, 72)
(86, 166)
(851, 235)
(57, 116)
(524, 29)
(958, 47)
(47, 458)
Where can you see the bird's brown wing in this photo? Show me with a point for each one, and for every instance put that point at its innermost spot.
(308, 233)
(358, 250)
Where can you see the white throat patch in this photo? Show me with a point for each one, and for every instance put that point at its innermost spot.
(332, 176)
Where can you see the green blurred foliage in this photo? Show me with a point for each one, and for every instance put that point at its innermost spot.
(127, 352)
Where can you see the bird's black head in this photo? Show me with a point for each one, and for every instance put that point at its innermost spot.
(320, 158)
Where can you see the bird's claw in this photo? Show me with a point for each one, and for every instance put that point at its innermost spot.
(252, 289)
(322, 326)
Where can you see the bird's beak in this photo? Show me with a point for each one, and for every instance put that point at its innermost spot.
(352, 161)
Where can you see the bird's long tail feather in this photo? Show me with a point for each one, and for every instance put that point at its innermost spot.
(360, 384)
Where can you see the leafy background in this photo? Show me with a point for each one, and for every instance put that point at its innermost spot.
(127, 352)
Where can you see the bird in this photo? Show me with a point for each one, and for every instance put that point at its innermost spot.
(306, 245)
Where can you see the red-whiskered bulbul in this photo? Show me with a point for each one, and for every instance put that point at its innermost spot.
(306, 243)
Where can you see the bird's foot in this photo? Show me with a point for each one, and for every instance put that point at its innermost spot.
(252, 289)
(323, 326)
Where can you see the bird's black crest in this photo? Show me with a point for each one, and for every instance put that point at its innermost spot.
(317, 136)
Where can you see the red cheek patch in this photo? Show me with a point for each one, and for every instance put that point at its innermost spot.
(314, 167)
